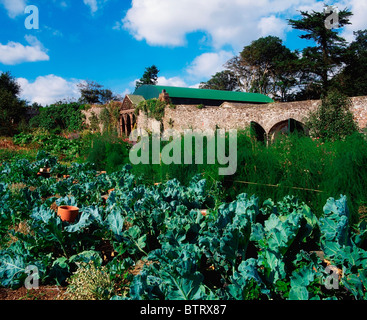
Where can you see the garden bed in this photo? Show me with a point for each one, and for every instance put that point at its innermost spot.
(154, 242)
(42, 293)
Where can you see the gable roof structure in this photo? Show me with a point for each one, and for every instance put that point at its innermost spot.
(135, 99)
(131, 102)
(217, 97)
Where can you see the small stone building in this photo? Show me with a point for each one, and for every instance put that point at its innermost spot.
(127, 113)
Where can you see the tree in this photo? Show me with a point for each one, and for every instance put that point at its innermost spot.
(321, 61)
(60, 116)
(150, 76)
(353, 79)
(92, 93)
(333, 120)
(225, 80)
(266, 66)
(12, 109)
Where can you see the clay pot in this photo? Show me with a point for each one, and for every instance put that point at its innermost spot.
(204, 212)
(68, 213)
(105, 198)
(44, 172)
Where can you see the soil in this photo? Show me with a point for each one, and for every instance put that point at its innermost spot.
(8, 144)
(43, 293)
(53, 292)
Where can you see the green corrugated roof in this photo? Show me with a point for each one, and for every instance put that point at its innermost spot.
(150, 92)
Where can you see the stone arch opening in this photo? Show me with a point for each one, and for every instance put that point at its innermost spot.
(133, 120)
(128, 125)
(258, 132)
(122, 126)
(286, 127)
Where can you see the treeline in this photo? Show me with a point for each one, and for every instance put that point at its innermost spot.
(17, 115)
(268, 67)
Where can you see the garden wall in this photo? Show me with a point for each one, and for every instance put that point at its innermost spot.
(239, 116)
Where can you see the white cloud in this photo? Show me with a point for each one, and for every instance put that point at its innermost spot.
(15, 53)
(48, 89)
(208, 64)
(117, 26)
(92, 4)
(174, 82)
(358, 20)
(14, 7)
(273, 26)
(225, 22)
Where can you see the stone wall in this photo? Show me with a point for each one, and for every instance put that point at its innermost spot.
(360, 111)
(88, 114)
(148, 124)
(239, 116)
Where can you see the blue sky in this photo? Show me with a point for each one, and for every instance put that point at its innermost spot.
(112, 41)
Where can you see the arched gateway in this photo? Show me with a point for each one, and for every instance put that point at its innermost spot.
(127, 114)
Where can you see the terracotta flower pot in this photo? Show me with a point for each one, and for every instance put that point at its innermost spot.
(204, 212)
(44, 172)
(68, 213)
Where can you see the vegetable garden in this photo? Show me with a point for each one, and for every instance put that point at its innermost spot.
(240, 250)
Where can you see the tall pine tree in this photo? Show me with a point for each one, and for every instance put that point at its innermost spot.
(150, 76)
(320, 62)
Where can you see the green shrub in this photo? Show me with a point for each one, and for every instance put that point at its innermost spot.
(153, 108)
(90, 282)
(59, 117)
(333, 120)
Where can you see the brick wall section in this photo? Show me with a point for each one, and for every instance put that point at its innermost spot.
(239, 116)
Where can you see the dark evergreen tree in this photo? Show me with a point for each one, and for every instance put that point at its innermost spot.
(321, 62)
(150, 76)
(353, 79)
(225, 80)
(12, 108)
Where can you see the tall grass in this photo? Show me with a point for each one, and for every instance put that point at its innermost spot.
(107, 151)
(295, 165)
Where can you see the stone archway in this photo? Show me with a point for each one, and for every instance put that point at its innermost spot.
(127, 122)
(122, 126)
(129, 126)
(285, 127)
(258, 131)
